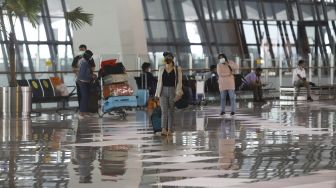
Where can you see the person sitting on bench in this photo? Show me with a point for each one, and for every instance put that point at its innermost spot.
(299, 80)
(252, 81)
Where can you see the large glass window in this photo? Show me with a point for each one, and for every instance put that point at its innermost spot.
(46, 47)
(252, 10)
(221, 9)
(154, 8)
(269, 28)
(280, 11)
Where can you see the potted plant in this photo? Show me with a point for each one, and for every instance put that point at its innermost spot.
(31, 9)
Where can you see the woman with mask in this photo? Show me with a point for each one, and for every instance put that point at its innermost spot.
(168, 90)
(85, 76)
(225, 71)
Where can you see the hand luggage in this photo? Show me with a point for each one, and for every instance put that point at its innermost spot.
(143, 93)
(111, 62)
(117, 102)
(142, 97)
(151, 104)
(115, 78)
(94, 96)
(184, 101)
(114, 69)
(120, 89)
(156, 118)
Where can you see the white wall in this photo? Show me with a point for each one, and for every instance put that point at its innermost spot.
(118, 28)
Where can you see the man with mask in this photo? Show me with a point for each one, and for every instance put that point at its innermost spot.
(252, 81)
(84, 77)
(75, 66)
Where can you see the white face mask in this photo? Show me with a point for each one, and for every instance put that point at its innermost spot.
(221, 60)
(81, 53)
(149, 70)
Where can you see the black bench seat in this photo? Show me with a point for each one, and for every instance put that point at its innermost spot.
(43, 91)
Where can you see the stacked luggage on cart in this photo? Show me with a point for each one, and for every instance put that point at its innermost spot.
(117, 93)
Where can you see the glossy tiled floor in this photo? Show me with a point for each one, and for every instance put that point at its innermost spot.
(277, 144)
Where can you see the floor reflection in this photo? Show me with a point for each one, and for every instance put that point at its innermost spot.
(263, 142)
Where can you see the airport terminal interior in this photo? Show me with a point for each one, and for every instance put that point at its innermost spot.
(282, 140)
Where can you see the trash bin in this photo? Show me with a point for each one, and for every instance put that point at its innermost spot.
(15, 102)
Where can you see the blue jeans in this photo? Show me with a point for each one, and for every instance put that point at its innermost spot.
(84, 96)
(232, 96)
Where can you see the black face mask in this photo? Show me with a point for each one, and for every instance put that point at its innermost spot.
(168, 61)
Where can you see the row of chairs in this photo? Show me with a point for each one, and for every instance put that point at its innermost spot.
(44, 91)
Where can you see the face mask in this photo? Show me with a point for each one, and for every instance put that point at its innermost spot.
(221, 60)
(149, 70)
(81, 53)
(169, 60)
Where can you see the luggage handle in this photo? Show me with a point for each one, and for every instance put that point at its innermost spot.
(142, 81)
(156, 103)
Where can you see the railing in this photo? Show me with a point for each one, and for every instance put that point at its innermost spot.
(192, 64)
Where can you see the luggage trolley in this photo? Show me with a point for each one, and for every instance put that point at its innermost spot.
(115, 105)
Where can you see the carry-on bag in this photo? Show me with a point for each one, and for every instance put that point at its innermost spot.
(111, 62)
(115, 78)
(120, 89)
(156, 118)
(143, 93)
(94, 97)
(113, 103)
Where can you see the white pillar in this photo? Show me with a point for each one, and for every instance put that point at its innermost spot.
(280, 72)
(190, 63)
(139, 64)
(332, 67)
(319, 70)
(252, 61)
(237, 60)
(157, 62)
(117, 27)
(310, 65)
(266, 70)
(206, 61)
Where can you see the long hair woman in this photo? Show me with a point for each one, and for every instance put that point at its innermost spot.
(168, 90)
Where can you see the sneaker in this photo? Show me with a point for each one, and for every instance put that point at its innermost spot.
(222, 113)
(164, 132)
(232, 113)
(310, 99)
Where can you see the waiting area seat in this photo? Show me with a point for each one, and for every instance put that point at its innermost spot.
(322, 92)
(50, 90)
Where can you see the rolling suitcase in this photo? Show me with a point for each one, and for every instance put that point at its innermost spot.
(143, 93)
(184, 101)
(94, 97)
(156, 118)
(142, 97)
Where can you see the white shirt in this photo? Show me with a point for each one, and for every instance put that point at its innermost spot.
(298, 71)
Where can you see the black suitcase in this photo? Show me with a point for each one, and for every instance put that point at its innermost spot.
(184, 101)
(94, 97)
(114, 69)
